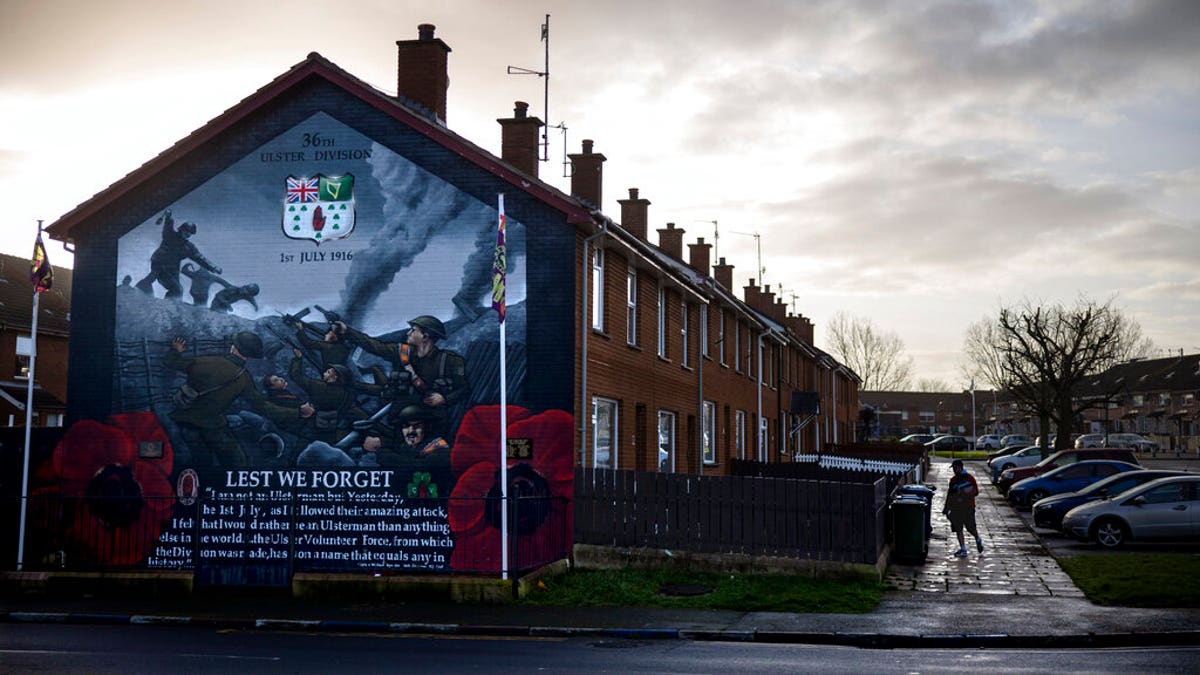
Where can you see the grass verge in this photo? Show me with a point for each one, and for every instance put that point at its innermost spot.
(1137, 579)
(749, 593)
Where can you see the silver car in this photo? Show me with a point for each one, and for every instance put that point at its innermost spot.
(1167, 508)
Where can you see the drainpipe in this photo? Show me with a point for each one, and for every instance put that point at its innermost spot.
(702, 316)
(762, 450)
(584, 329)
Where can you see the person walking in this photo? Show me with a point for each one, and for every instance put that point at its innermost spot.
(960, 507)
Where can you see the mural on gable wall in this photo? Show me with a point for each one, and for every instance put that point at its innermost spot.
(307, 374)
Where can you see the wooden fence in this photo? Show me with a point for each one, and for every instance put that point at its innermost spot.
(750, 515)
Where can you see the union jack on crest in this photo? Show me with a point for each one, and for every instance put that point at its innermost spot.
(300, 190)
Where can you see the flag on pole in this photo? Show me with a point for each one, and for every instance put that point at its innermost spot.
(499, 266)
(40, 273)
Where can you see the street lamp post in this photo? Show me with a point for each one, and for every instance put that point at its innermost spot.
(937, 418)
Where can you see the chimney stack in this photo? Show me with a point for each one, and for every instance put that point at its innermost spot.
(723, 273)
(751, 294)
(587, 175)
(634, 214)
(519, 139)
(670, 241)
(421, 71)
(699, 255)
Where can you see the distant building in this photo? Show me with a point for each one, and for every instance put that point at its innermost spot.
(1153, 397)
(54, 327)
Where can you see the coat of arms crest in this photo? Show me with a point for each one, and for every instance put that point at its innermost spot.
(320, 207)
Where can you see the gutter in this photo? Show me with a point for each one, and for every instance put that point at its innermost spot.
(584, 329)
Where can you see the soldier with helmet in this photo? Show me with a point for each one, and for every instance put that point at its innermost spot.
(419, 458)
(174, 249)
(213, 383)
(331, 400)
(422, 374)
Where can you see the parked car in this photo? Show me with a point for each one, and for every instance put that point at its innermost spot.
(1015, 439)
(949, 443)
(917, 439)
(1062, 458)
(988, 442)
(1068, 478)
(1019, 457)
(1166, 508)
(1049, 512)
(1133, 441)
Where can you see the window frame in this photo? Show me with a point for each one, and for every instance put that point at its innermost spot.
(23, 357)
(662, 321)
(708, 433)
(597, 298)
(667, 415)
(614, 432)
(631, 306)
(684, 330)
(739, 433)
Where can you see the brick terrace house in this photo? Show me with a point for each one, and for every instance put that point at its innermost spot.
(54, 327)
(661, 362)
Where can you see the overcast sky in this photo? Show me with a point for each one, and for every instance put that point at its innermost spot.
(918, 163)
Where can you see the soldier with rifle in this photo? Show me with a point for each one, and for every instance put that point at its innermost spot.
(422, 373)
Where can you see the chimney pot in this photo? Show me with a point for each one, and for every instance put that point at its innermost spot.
(670, 241)
(422, 75)
(519, 139)
(699, 255)
(634, 214)
(587, 177)
(723, 273)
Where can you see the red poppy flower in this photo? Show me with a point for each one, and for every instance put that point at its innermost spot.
(113, 480)
(543, 526)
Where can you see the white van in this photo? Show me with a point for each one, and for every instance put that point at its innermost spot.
(1133, 441)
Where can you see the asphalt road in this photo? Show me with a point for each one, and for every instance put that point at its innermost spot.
(155, 649)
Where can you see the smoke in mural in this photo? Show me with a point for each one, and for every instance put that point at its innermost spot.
(307, 376)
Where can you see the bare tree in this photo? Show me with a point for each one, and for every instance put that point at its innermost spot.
(877, 356)
(932, 385)
(1042, 354)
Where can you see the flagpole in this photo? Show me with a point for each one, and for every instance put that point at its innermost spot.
(501, 300)
(28, 417)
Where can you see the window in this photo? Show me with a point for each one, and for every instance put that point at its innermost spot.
(704, 331)
(721, 334)
(662, 322)
(737, 346)
(683, 333)
(710, 433)
(604, 433)
(631, 288)
(24, 352)
(666, 441)
(739, 433)
(598, 289)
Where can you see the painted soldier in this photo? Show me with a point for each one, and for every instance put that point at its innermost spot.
(174, 249)
(213, 384)
(332, 347)
(421, 461)
(331, 401)
(224, 299)
(421, 374)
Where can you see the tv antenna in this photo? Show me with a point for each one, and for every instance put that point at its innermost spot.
(758, 243)
(716, 238)
(544, 73)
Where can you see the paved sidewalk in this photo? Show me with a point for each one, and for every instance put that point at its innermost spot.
(1013, 562)
(1013, 595)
